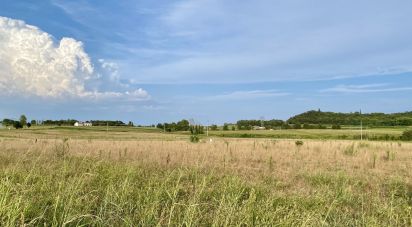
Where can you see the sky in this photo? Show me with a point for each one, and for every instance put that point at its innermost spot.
(214, 61)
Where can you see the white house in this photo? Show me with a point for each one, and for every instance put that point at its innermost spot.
(79, 124)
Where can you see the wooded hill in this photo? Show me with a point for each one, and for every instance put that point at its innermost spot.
(371, 119)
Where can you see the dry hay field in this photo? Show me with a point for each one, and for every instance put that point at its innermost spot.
(165, 181)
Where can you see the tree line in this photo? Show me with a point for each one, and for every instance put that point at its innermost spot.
(23, 122)
(355, 118)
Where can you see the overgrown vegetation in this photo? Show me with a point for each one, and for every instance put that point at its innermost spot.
(407, 135)
(371, 119)
(67, 182)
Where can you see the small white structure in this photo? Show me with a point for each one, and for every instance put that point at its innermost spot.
(80, 124)
(258, 128)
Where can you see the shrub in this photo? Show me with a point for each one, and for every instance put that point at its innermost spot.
(407, 135)
(17, 125)
(299, 143)
(194, 139)
(336, 127)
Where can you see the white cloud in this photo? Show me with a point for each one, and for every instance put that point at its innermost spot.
(33, 64)
(366, 88)
(242, 95)
(268, 40)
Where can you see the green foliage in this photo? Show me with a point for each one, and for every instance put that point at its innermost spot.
(17, 125)
(270, 124)
(213, 127)
(225, 127)
(8, 122)
(78, 191)
(194, 138)
(336, 126)
(407, 135)
(23, 120)
(372, 119)
(297, 126)
(182, 125)
(299, 143)
(196, 129)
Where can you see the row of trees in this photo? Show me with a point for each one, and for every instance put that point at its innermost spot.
(17, 124)
(69, 122)
(370, 119)
(182, 125)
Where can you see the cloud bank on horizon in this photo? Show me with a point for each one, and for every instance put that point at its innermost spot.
(33, 64)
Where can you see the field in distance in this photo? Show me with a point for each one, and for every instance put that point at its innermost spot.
(133, 176)
(130, 133)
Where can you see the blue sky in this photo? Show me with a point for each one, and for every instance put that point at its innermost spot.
(212, 60)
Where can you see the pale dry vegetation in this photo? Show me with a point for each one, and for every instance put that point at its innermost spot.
(223, 182)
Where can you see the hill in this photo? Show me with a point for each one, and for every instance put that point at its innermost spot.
(371, 119)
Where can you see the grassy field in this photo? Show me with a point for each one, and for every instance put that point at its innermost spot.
(140, 177)
(343, 134)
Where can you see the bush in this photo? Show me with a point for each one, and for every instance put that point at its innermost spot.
(299, 143)
(17, 125)
(407, 135)
(194, 139)
(336, 127)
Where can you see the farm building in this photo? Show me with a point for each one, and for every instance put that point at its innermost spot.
(79, 124)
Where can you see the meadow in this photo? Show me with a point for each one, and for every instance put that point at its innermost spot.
(141, 177)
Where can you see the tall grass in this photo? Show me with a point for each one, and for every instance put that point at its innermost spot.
(178, 183)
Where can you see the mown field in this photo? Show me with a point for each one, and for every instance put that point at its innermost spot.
(135, 177)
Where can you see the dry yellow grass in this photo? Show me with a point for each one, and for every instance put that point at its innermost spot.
(161, 180)
(282, 159)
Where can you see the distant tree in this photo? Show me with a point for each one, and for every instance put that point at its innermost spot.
(336, 127)
(23, 120)
(233, 128)
(213, 127)
(17, 125)
(130, 123)
(28, 124)
(33, 122)
(297, 126)
(7, 122)
(183, 125)
(407, 135)
(225, 127)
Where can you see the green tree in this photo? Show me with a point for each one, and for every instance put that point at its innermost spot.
(17, 125)
(23, 120)
(183, 125)
(407, 135)
(225, 127)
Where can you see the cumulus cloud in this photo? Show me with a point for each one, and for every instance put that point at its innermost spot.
(32, 63)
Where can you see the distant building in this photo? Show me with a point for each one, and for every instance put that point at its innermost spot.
(258, 128)
(80, 124)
